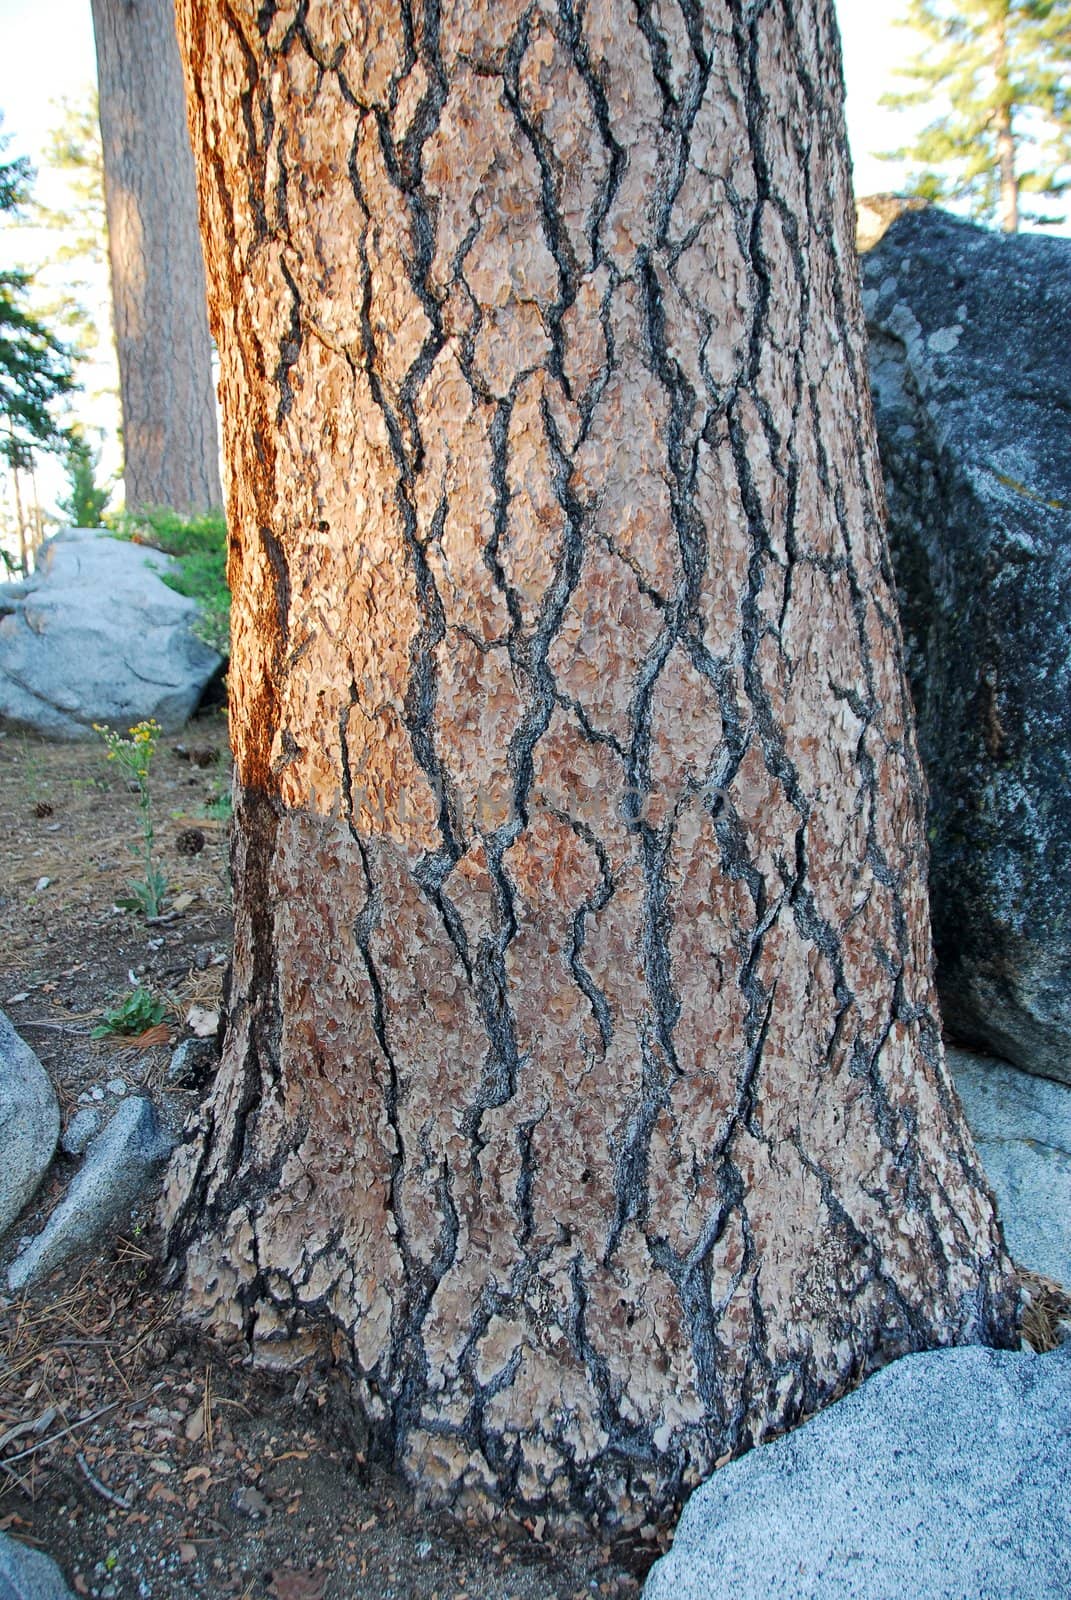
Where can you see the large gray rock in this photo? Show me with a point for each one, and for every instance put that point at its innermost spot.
(944, 1477)
(95, 635)
(1022, 1127)
(971, 369)
(29, 1123)
(119, 1165)
(27, 1574)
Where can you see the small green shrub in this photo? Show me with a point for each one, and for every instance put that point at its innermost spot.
(199, 545)
(86, 499)
(133, 1014)
(220, 807)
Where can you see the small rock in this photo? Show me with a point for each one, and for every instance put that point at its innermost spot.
(876, 213)
(116, 1086)
(78, 1132)
(29, 1123)
(96, 1093)
(250, 1502)
(41, 885)
(27, 1574)
(118, 1166)
(192, 1063)
(198, 756)
(202, 1021)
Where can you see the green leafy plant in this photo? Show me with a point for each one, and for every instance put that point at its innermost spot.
(133, 1014)
(199, 546)
(32, 771)
(134, 757)
(220, 807)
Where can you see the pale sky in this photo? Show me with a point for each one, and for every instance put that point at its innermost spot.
(46, 54)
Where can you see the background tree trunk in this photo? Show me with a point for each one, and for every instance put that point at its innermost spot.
(170, 440)
(24, 543)
(583, 1071)
(1006, 152)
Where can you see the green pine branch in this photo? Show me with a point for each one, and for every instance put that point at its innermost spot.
(1000, 65)
(36, 366)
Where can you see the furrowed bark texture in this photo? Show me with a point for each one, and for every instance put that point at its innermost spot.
(583, 1071)
(170, 439)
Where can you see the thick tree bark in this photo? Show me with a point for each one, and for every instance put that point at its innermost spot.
(583, 1073)
(170, 439)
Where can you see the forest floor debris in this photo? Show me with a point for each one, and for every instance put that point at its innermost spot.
(151, 1465)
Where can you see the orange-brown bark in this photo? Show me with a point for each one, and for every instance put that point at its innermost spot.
(583, 1071)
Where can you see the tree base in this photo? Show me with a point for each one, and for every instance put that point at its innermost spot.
(515, 1329)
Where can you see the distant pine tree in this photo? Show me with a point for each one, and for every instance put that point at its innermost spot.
(35, 366)
(1005, 68)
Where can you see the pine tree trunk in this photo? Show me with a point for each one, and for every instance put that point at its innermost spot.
(170, 439)
(1009, 181)
(38, 521)
(583, 1075)
(24, 543)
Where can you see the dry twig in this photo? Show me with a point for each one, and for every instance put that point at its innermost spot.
(208, 1407)
(101, 1488)
(53, 1438)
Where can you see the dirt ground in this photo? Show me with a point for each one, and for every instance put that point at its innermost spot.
(147, 1463)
